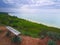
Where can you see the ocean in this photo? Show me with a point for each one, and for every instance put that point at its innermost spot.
(50, 17)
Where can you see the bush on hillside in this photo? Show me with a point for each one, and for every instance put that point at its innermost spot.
(16, 39)
(51, 42)
(53, 35)
(43, 34)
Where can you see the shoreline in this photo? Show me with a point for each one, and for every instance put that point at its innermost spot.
(41, 23)
(49, 25)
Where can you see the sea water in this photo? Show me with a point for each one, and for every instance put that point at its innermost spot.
(50, 17)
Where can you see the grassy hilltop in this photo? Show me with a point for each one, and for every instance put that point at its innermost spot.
(25, 27)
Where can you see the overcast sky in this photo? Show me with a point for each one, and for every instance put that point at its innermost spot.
(26, 5)
(47, 11)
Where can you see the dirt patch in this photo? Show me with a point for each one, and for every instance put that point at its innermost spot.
(29, 40)
(26, 40)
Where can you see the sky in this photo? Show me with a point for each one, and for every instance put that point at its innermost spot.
(44, 11)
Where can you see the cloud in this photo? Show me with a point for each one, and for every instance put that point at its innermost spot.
(12, 2)
(33, 3)
(9, 1)
(42, 2)
(32, 6)
(27, 9)
(30, 2)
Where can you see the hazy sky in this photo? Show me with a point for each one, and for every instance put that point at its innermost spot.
(46, 11)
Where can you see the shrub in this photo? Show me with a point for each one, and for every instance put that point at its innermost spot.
(16, 39)
(58, 36)
(49, 34)
(53, 35)
(51, 42)
(42, 37)
(43, 33)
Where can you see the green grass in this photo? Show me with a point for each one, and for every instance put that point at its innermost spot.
(25, 27)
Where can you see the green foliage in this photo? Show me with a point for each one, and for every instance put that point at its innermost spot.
(50, 34)
(16, 39)
(53, 35)
(42, 36)
(24, 26)
(51, 42)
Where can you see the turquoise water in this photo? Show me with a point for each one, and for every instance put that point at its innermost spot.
(50, 17)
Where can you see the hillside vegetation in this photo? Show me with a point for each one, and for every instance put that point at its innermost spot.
(25, 27)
